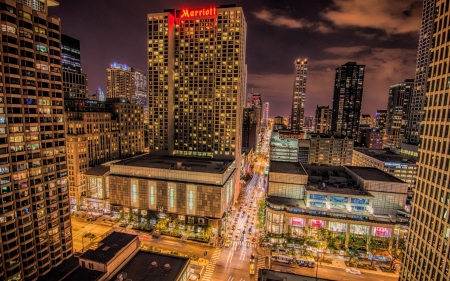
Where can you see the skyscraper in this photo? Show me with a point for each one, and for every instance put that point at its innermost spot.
(347, 98)
(265, 115)
(299, 92)
(75, 83)
(141, 84)
(427, 248)
(196, 81)
(323, 119)
(120, 82)
(397, 112)
(417, 102)
(35, 219)
(380, 120)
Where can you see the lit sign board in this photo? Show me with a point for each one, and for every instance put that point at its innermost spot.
(191, 13)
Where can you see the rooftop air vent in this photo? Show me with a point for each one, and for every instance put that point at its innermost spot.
(167, 267)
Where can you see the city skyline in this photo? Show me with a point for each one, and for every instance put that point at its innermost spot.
(387, 47)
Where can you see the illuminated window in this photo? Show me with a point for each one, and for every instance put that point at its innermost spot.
(134, 193)
(191, 191)
(171, 196)
(152, 195)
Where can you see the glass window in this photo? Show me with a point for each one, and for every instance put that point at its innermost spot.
(152, 195)
(134, 193)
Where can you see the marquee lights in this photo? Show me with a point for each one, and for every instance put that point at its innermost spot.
(189, 13)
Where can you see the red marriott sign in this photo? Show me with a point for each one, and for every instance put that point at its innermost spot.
(192, 13)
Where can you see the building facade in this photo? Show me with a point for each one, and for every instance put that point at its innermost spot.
(323, 119)
(380, 120)
(427, 250)
(397, 113)
(35, 218)
(283, 149)
(347, 98)
(350, 202)
(265, 115)
(330, 150)
(299, 93)
(99, 132)
(308, 124)
(75, 83)
(120, 82)
(194, 191)
(399, 165)
(196, 81)
(417, 103)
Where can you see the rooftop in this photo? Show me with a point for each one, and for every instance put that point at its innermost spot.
(81, 273)
(142, 268)
(387, 155)
(206, 165)
(110, 245)
(287, 167)
(61, 270)
(324, 136)
(99, 170)
(373, 174)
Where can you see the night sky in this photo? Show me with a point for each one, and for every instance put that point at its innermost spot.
(382, 34)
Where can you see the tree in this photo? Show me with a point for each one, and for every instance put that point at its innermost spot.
(353, 253)
(373, 247)
(162, 224)
(131, 217)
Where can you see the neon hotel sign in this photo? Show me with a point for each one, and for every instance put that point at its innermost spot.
(189, 13)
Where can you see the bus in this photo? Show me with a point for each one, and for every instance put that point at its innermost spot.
(281, 258)
(305, 261)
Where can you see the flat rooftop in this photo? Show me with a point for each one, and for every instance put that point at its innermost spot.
(140, 268)
(205, 165)
(61, 270)
(287, 168)
(99, 170)
(108, 247)
(81, 273)
(387, 155)
(373, 174)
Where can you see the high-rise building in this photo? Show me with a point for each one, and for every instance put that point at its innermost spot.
(417, 101)
(308, 124)
(35, 219)
(196, 81)
(265, 115)
(75, 83)
(251, 125)
(299, 92)
(120, 82)
(427, 247)
(365, 125)
(99, 132)
(347, 98)
(323, 119)
(397, 112)
(380, 120)
(141, 84)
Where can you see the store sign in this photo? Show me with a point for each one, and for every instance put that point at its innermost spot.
(382, 232)
(191, 13)
(299, 222)
(317, 223)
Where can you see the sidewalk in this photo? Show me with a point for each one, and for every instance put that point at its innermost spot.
(339, 262)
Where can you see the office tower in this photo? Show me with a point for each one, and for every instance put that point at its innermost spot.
(397, 112)
(308, 124)
(365, 126)
(141, 84)
(323, 119)
(121, 82)
(380, 120)
(35, 220)
(347, 98)
(330, 150)
(251, 125)
(427, 248)
(254, 100)
(299, 92)
(196, 81)
(75, 83)
(265, 115)
(417, 102)
(278, 120)
(99, 132)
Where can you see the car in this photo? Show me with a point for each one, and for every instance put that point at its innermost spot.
(353, 271)
(227, 243)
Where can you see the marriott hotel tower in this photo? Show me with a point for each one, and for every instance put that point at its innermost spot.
(196, 82)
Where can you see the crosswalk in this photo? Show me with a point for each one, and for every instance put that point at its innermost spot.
(260, 265)
(212, 265)
(246, 244)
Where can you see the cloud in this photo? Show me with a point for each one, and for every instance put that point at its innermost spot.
(384, 67)
(275, 18)
(392, 17)
(281, 20)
